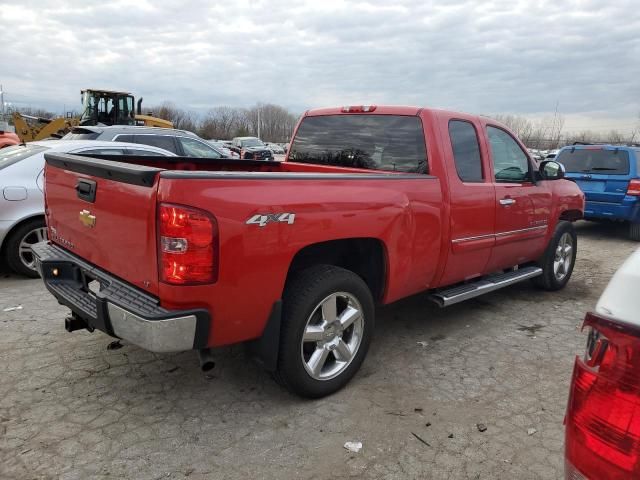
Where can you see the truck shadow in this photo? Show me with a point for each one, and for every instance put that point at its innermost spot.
(604, 229)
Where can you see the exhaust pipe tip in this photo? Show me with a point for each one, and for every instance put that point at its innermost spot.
(206, 360)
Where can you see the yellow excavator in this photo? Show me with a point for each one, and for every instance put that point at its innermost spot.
(99, 107)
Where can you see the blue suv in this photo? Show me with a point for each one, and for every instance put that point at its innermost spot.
(609, 176)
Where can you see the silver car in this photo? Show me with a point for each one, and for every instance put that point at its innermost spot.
(180, 142)
(21, 196)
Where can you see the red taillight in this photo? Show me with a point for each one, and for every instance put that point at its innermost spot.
(602, 438)
(634, 188)
(187, 245)
(358, 108)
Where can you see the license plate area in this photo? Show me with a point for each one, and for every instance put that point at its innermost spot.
(591, 185)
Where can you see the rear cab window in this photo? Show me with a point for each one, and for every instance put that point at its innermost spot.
(595, 160)
(375, 142)
(16, 153)
(466, 151)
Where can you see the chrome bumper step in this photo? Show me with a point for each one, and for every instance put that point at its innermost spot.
(452, 295)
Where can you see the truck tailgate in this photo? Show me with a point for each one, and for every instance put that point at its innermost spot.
(105, 212)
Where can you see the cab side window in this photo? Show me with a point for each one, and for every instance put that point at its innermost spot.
(466, 151)
(165, 142)
(510, 163)
(195, 148)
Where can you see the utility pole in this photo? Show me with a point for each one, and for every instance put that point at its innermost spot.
(2, 117)
(259, 108)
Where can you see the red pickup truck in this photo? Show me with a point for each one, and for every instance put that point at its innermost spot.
(371, 205)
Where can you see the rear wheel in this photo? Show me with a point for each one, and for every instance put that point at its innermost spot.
(327, 325)
(559, 258)
(20, 257)
(634, 231)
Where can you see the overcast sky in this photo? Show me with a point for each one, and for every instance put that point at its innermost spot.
(522, 57)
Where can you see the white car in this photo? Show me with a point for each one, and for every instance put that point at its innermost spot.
(602, 429)
(21, 197)
(275, 148)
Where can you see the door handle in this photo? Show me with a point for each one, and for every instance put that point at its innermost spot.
(507, 201)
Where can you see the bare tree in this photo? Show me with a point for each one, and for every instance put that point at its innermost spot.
(220, 123)
(181, 119)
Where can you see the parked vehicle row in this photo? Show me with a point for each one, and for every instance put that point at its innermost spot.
(179, 142)
(371, 205)
(251, 148)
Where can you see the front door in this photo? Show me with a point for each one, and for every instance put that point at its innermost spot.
(520, 229)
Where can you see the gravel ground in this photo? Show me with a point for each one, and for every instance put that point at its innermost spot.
(72, 408)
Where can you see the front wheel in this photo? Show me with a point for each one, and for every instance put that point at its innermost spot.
(327, 324)
(559, 258)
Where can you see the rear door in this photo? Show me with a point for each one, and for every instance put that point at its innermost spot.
(472, 200)
(602, 172)
(89, 213)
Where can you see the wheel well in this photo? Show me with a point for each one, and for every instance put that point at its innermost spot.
(571, 215)
(363, 256)
(13, 229)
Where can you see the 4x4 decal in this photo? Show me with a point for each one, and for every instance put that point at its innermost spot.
(264, 219)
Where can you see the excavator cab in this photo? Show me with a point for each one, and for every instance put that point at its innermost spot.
(104, 107)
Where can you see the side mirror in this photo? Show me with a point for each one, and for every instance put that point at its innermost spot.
(551, 170)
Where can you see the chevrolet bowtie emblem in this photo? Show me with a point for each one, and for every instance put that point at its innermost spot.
(87, 219)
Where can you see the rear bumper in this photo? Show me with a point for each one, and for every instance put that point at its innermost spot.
(627, 210)
(117, 308)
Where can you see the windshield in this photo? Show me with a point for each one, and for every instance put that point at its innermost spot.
(107, 108)
(252, 142)
(376, 142)
(607, 162)
(11, 155)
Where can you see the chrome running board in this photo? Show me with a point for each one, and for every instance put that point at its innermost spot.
(460, 293)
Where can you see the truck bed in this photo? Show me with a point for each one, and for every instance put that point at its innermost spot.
(248, 200)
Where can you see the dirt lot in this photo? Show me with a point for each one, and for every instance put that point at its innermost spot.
(72, 408)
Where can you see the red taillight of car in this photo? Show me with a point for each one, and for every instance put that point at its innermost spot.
(602, 437)
(634, 188)
(187, 245)
(358, 108)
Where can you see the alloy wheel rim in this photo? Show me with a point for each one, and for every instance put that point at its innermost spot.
(332, 336)
(25, 251)
(563, 257)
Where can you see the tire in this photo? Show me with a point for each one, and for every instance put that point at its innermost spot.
(336, 351)
(19, 260)
(634, 231)
(556, 266)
